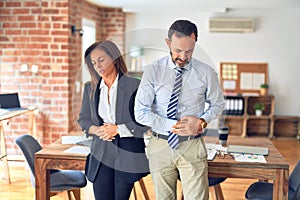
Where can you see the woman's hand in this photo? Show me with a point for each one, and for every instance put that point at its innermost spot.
(106, 132)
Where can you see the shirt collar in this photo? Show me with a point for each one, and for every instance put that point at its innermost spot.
(173, 66)
(102, 84)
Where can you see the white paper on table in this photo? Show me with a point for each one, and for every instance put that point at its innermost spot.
(3, 111)
(210, 145)
(78, 150)
(221, 148)
(211, 150)
(72, 139)
(244, 157)
(211, 154)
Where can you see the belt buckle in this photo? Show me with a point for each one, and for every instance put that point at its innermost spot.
(189, 138)
(157, 136)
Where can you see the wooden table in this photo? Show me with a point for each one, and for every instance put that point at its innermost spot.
(3, 122)
(53, 157)
(276, 168)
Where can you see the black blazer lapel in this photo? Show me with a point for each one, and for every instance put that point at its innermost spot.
(96, 102)
(121, 92)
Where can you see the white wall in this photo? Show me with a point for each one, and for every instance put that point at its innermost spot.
(276, 41)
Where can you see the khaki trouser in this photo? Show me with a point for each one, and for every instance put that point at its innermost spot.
(188, 161)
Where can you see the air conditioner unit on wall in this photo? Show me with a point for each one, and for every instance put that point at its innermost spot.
(231, 25)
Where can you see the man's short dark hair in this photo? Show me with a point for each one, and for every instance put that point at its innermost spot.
(183, 28)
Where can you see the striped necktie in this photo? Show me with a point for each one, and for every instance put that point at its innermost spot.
(173, 139)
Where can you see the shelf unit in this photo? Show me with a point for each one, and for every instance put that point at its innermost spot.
(245, 122)
(287, 126)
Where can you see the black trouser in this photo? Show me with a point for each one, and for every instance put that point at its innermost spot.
(109, 186)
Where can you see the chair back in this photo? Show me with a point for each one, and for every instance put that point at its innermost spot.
(294, 183)
(29, 146)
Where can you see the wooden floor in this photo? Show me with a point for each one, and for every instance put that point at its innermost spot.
(233, 189)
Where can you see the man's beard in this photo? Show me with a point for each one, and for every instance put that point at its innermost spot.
(187, 61)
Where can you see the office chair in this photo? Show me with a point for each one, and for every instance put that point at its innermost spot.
(264, 190)
(215, 187)
(60, 180)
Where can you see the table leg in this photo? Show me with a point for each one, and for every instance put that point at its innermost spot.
(280, 186)
(134, 193)
(42, 179)
(4, 152)
(244, 133)
(32, 124)
(143, 188)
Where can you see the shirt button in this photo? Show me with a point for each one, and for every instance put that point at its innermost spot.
(132, 131)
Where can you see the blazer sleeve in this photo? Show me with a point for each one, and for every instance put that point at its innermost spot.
(126, 116)
(138, 129)
(85, 119)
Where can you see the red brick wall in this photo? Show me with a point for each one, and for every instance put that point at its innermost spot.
(39, 33)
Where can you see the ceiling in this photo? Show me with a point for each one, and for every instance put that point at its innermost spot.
(196, 5)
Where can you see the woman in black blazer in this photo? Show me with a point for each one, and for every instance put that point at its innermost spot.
(117, 157)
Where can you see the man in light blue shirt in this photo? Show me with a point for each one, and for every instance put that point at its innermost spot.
(200, 84)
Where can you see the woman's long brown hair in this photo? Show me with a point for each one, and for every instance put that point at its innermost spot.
(113, 52)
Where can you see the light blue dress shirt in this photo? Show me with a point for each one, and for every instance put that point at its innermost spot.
(200, 85)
